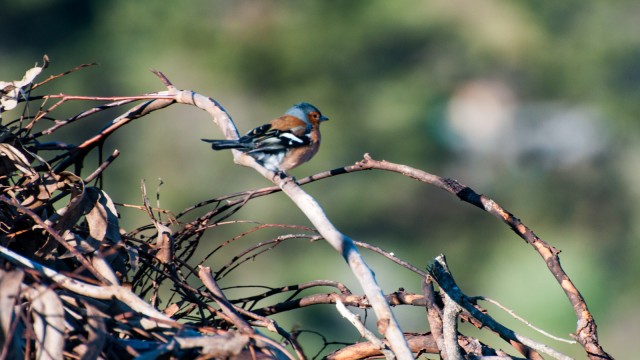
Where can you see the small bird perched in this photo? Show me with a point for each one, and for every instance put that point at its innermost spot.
(285, 142)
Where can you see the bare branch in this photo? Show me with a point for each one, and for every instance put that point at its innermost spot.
(515, 316)
(53, 77)
(418, 343)
(102, 167)
(447, 284)
(364, 332)
(154, 317)
(387, 323)
(450, 328)
(587, 334)
(135, 113)
(30, 191)
(58, 238)
(225, 305)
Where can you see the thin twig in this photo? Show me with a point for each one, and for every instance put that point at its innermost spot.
(364, 332)
(52, 77)
(391, 256)
(102, 167)
(237, 260)
(524, 321)
(135, 113)
(207, 279)
(229, 309)
(60, 123)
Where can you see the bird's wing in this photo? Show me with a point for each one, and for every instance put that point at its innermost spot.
(284, 132)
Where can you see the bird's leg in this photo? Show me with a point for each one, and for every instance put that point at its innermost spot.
(284, 176)
(279, 174)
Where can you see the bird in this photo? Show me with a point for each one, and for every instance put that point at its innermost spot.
(284, 143)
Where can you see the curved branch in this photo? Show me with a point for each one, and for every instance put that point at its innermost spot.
(586, 331)
(586, 334)
(387, 323)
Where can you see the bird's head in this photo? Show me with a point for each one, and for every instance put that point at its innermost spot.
(307, 112)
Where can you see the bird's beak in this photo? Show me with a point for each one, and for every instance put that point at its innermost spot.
(323, 118)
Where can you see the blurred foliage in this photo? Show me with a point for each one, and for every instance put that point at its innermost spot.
(558, 148)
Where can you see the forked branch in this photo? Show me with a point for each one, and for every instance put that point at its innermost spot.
(387, 324)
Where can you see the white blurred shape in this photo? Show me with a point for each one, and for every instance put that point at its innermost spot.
(481, 114)
(488, 122)
(561, 135)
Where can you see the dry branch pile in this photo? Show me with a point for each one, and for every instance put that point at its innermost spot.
(73, 284)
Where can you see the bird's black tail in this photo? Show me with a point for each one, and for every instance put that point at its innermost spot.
(225, 144)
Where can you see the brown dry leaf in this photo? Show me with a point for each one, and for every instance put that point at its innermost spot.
(67, 217)
(164, 243)
(97, 333)
(164, 240)
(171, 309)
(12, 159)
(102, 217)
(9, 294)
(98, 209)
(34, 188)
(106, 266)
(45, 185)
(48, 323)
(83, 245)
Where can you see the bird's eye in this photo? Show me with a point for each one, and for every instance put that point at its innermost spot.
(315, 115)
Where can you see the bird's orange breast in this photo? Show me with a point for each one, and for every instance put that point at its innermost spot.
(300, 155)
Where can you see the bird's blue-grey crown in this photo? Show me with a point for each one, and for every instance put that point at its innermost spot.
(302, 109)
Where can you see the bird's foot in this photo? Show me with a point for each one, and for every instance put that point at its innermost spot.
(284, 176)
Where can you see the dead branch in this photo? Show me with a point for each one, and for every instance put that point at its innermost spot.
(387, 323)
(97, 310)
(446, 282)
(586, 333)
(364, 332)
(417, 343)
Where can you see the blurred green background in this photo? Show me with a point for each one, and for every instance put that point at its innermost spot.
(531, 103)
